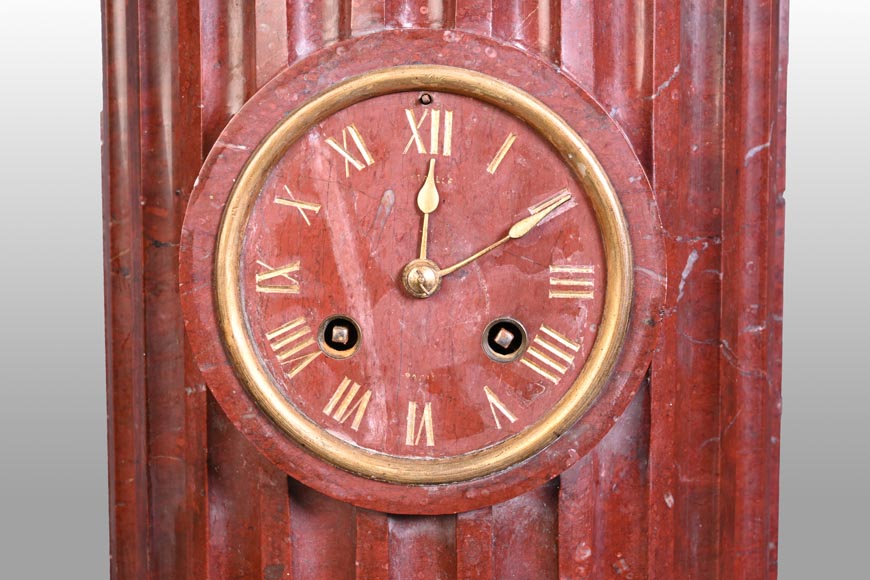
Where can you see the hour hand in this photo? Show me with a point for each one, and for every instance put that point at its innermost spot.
(427, 201)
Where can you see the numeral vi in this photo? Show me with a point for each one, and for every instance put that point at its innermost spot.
(413, 433)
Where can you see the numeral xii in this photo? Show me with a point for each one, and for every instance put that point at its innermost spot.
(437, 129)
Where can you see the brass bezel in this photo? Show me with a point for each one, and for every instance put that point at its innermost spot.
(408, 470)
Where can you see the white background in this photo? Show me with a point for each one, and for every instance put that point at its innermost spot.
(53, 515)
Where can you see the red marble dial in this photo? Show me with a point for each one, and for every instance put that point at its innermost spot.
(335, 225)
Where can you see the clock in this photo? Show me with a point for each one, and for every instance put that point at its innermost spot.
(422, 287)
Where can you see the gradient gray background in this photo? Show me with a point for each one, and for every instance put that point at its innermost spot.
(53, 500)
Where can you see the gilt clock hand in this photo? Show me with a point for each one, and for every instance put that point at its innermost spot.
(427, 201)
(422, 278)
(517, 231)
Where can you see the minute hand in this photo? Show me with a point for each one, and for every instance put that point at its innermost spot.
(517, 231)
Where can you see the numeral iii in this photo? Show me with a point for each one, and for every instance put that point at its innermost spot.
(572, 282)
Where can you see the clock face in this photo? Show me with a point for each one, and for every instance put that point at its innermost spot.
(412, 287)
(414, 351)
(423, 275)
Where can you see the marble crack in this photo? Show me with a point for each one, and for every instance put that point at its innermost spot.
(690, 264)
(755, 329)
(665, 84)
(731, 423)
(754, 151)
(759, 148)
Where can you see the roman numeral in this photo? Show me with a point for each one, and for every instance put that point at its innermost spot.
(294, 345)
(278, 280)
(496, 406)
(345, 401)
(553, 199)
(551, 354)
(413, 434)
(572, 282)
(349, 159)
(500, 155)
(302, 206)
(434, 132)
